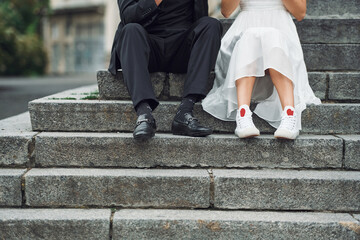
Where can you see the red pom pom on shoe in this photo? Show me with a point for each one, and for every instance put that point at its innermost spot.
(290, 112)
(242, 112)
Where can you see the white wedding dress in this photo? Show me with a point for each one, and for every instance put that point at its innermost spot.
(263, 36)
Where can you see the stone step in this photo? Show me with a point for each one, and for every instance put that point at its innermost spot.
(184, 224)
(220, 225)
(287, 189)
(194, 188)
(331, 57)
(344, 86)
(322, 30)
(54, 224)
(352, 151)
(10, 187)
(330, 86)
(333, 9)
(16, 141)
(56, 113)
(120, 150)
(159, 188)
(329, 31)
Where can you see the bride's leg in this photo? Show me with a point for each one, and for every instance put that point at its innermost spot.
(245, 127)
(244, 87)
(284, 87)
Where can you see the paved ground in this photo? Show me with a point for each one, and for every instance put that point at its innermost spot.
(16, 92)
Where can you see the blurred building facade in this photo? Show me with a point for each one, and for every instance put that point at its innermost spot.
(78, 34)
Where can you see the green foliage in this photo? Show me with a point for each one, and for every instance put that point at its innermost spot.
(91, 97)
(21, 48)
(65, 98)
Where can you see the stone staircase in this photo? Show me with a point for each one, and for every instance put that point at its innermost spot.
(71, 170)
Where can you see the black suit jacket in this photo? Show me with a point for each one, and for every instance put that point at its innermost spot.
(143, 12)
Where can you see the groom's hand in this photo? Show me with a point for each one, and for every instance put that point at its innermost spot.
(158, 2)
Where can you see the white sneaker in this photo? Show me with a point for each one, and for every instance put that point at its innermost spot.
(245, 127)
(287, 128)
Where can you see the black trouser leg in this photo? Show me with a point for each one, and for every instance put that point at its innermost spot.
(197, 55)
(135, 51)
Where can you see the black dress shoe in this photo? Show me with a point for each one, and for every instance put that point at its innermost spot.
(189, 126)
(145, 128)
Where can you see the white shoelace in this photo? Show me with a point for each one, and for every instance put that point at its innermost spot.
(288, 122)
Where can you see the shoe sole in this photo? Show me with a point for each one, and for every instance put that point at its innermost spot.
(185, 132)
(252, 133)
(286, 136)
(251, 136)
(194, 134)
(143, 137)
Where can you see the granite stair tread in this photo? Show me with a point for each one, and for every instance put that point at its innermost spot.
(54, 223)
(328, 86)
(118, 149)
(261, 189)
(61, 114)
(202, 224)
(322, 30)
(55, 149)
(167, 223)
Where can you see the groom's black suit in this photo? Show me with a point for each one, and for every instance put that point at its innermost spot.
(176, 36)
